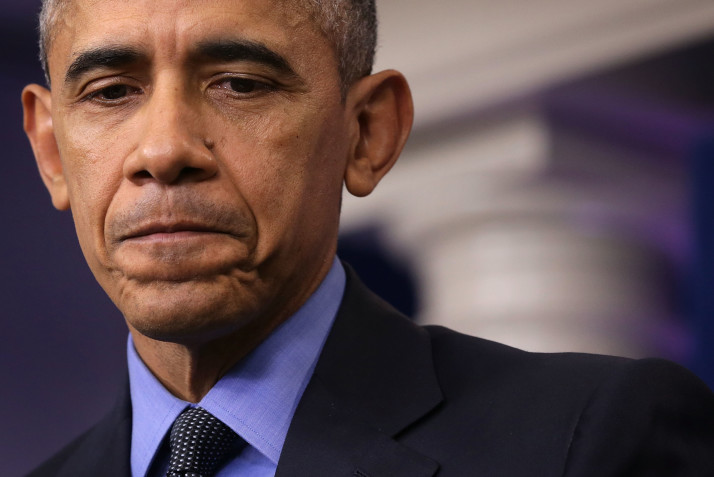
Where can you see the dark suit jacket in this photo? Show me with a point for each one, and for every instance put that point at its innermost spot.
(389, 398)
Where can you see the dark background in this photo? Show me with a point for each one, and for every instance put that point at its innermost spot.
(63, 339)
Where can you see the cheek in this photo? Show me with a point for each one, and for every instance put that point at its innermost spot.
(289, 170)
(93, 175)
(306, 157)
(91, 155)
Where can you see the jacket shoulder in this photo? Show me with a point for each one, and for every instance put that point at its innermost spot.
(52, 466)
(461, 357)
(102, 450)
(570, 413)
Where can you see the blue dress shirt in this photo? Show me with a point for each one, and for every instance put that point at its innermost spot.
(256, 398)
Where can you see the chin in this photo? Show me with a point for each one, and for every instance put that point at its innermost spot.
(184, 330)
(185, 312)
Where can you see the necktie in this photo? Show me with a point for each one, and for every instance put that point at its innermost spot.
(200, 444)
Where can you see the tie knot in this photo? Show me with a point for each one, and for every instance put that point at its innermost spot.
(200, 444)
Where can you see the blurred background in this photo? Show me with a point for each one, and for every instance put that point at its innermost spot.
(557, 194)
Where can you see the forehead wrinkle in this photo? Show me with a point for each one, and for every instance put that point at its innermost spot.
(140, 30)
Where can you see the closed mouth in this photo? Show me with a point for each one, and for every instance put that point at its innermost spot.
(173, 228)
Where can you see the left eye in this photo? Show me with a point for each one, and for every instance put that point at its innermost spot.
(242, 85)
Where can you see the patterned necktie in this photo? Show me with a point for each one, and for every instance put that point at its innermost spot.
(200, 444)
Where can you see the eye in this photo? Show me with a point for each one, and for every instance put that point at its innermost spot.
(114, 93)
(244, 86)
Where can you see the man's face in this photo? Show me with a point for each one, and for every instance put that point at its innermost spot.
(203, 145)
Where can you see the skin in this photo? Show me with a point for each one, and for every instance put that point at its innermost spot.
(205, 190)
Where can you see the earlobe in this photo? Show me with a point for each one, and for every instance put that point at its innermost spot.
(37, 107)
(382, 111)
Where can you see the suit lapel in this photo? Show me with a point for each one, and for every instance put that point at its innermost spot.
(374, 378)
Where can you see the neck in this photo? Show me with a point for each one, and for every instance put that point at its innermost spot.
(189, 371)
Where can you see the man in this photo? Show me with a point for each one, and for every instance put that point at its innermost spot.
(202, 147)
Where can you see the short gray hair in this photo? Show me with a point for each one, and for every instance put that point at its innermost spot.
(350, 25)
(49, 15)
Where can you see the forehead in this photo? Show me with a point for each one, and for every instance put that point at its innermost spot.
(172, 26)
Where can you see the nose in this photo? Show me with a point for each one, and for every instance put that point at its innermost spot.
(173, 147)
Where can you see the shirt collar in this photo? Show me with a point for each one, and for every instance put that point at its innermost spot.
(257, 397)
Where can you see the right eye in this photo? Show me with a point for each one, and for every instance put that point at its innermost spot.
(115, 93)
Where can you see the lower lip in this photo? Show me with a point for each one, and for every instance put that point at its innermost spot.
(177, 256)
(170, 237)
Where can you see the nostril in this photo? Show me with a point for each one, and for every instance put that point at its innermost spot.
(186, 173)
(142, 175)
(192, 172)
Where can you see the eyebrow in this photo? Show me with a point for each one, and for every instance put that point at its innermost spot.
(217, 50)
(242, 50)
(105, 57)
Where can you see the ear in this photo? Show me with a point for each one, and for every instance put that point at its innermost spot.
(382, 114)
(37, 106)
